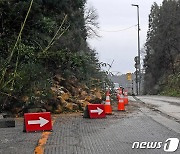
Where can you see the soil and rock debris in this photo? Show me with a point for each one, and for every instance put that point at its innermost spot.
(67, 95)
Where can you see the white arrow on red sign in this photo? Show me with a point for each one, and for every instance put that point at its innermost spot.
(41, 122)
(98, 111)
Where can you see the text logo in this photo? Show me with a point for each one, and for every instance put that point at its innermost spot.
(171, 144)
(147, 145)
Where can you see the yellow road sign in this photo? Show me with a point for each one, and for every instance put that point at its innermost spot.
(129, 76)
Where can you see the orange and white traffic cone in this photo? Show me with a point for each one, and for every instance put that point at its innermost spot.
(107, 106)
(121, 106)
(118, 96)
(126, 97)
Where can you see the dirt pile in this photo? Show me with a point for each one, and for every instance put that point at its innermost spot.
(67, 95)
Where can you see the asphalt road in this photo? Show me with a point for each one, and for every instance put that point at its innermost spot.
(73, 134)
(14, 141)
(113, 135)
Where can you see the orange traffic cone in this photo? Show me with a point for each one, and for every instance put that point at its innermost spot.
(126, 97)
(118, 96)
(121, 103)
(107, 106)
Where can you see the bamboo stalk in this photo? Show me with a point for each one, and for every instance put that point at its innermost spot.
(16, 43)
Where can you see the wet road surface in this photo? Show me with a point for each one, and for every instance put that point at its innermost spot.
(73, 134)
(168, 105)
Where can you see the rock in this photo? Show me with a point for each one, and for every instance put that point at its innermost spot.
(48, 107)
(1, 116)
(85, 103)
(54, 89)
(25, 99)
(73, 81)
(85, 87)
(69, 107)
(64, 89)
(16, 110)
(57, 90)
(83, 94)
(88, 98)
(58, 78)
(37, 92)
(98, 94)
(62, 101)
(72, 90)
(94, 97)
(82, 104)
(6, 114)
(7, 122)
(35, 110)
(75, 106)
(59, 109)
(65, 96)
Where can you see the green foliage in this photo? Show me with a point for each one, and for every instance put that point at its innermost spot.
(162, 45)
(52, 40)
(30, 78)
(172, 86)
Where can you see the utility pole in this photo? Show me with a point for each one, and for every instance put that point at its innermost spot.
(138, 69)
(132, 91)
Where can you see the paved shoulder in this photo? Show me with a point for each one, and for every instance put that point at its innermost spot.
(167, 105)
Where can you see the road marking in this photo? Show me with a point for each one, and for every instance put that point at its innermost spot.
(42, 141)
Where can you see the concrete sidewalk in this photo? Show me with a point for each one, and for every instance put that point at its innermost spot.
(113, 135)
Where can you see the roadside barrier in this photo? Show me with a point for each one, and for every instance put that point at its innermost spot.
(7, 122)
(40, 121)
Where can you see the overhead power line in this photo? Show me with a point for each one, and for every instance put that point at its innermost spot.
(117, 30)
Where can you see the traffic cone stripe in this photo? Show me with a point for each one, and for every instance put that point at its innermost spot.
(107, 98)
(108, 103)
(121, 101)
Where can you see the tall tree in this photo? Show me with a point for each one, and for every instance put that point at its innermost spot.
(162, 45)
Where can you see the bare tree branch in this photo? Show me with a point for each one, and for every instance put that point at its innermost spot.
(91, 22)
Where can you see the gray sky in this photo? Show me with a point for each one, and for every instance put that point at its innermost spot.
(120, 46)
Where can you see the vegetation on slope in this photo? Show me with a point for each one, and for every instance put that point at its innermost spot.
(40, 39)
(163, 49)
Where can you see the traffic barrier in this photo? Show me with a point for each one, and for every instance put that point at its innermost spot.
(121, 106)
(126, 97)
(7, 122)
(96, 111)
(37, 122)
(107, 106)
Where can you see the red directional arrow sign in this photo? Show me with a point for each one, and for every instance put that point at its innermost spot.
(37, 121)
(96, 111)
